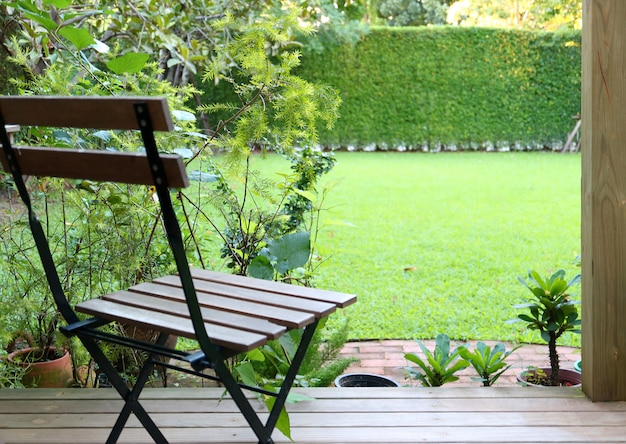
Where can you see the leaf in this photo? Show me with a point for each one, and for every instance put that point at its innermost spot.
(58, 3)
(558, 287)
(290, 251)
(129, 63)
(415, 359)
(283, 424)
(575, 280)
(526, 318)
(442, 342)
(289, 345)
(256, 355)
(79, 37)
(309, 195)
(261, 268)
(246, 373)
(35, 15)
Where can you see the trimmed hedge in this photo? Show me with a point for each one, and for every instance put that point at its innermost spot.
(452, 88)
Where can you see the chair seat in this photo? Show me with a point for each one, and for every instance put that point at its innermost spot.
(240, 313)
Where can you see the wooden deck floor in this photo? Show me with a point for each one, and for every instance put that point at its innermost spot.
(346, 415)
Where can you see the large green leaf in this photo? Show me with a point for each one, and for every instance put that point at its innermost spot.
(79, 37)
(130, 63)
(44, 21)
(290, 251)
(261, 268)
(246, 373)
(283, 424)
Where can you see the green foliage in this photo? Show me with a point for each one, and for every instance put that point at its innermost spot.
(266, 366)
(336, 22)
(319, 368)
(551, 311)
(440, 364)
(413, 12)
(489, 363)
(452, 88)
(530, 14)
(8, 70)
(10, 374)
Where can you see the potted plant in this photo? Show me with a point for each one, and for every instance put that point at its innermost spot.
(440, 365)
(551, 312)
(488, 362)
(29, 318)
(40, 351)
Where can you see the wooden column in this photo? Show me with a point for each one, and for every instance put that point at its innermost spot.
(604, 200)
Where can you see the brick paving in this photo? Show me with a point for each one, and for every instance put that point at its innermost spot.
(386, 357)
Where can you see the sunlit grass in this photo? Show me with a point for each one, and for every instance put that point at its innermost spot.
(436, 241)
(433, 243)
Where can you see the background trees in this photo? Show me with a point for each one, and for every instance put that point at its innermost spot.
(529, 14)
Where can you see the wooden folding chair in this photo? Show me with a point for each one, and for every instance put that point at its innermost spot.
(226, 314)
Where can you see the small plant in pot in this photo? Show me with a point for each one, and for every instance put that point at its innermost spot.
(28, 326)
(440, 365)
(488, 362)
(553, 313)
(45, 363)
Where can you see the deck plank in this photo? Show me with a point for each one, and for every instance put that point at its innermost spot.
(348, 415)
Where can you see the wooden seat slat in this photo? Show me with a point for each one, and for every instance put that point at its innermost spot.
(339, 299)
(284, 300)
(113, 166)
(223, 336)
(179, 308)
(84, 112)
(281, 316)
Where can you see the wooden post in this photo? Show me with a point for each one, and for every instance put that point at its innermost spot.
(604, 200)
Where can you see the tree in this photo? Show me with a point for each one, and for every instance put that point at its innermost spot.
(336, 22)
(413, 12)
(532, 14)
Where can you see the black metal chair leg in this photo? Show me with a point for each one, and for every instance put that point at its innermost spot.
(129, 396)
(290, 377)
(264, 431)
(132, 401)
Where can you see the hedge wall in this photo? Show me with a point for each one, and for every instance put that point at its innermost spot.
(452, 88)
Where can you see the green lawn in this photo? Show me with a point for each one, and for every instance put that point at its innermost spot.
(437, 240)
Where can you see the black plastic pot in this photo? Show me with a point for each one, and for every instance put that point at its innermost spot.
(364, 380)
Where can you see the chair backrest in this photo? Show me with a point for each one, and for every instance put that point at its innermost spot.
(146, 114)
(113, 113)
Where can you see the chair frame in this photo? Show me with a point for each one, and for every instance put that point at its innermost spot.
(20, 110)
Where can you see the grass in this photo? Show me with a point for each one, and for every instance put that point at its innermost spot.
(436, 241)
(433, 243)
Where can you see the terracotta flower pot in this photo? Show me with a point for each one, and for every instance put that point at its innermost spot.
(568, 378)
(53, 372)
